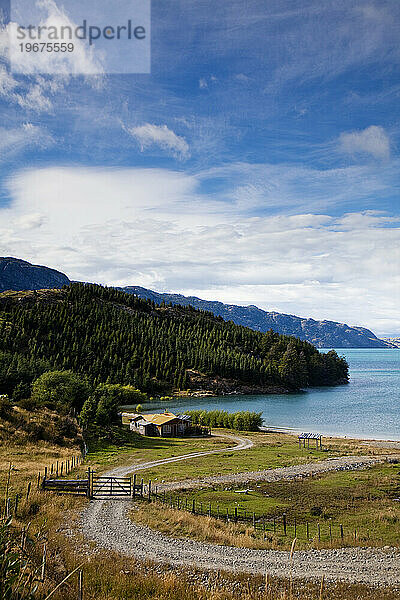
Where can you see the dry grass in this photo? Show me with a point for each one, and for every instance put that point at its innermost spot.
(182, 524)
(28, 457)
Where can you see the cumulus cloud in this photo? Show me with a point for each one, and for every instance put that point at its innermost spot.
(373, 141)
(149, 135)
(155, 228)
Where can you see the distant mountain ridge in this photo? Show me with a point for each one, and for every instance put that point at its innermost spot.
(17, 274)
(323, 334)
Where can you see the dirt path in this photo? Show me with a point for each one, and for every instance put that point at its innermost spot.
(241, 444)
(107, 523)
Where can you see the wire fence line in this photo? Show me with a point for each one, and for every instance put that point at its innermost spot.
(279, 525)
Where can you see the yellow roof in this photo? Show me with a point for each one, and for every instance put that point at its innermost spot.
(160, 419)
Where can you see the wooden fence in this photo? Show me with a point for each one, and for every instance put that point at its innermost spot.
(9, 506)
(98, 486)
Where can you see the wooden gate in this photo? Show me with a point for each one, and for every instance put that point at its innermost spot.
(106, 487)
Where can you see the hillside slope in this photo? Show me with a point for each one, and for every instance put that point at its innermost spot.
(16, 274)
(323, 334)
(115, 337)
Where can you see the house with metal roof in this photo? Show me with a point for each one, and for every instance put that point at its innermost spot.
(164, 425)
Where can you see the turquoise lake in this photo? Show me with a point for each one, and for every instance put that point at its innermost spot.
(367, 407)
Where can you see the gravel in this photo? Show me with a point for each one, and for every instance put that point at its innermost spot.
(107, 523)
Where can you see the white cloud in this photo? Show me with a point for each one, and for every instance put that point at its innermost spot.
(35, 93)
(82, 60)
(373, 141)
(155, 135)
(153, 227)
(16, 139)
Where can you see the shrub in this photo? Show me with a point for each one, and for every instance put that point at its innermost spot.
(241, 421)
(60, 389)
(5, 407)
(102, 406)
(29, 404)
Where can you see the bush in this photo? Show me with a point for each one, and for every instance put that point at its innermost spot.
(62, 390)
(241, 421)
(102, 406)
(21, 391)
(5, 407)
(28, 404)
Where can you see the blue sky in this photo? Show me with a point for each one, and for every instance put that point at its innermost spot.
(258, 163)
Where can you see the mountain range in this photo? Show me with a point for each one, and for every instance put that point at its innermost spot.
(16, 274)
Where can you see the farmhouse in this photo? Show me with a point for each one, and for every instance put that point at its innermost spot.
(165, 424)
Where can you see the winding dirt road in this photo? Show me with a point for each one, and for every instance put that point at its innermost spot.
(106, 522)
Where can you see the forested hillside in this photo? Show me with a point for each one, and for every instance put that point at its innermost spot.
(113, 337)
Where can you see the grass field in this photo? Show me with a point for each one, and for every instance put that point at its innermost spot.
(123, 447)
(270, 450)
(365, 502)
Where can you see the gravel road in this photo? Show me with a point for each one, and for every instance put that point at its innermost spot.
(106, 522)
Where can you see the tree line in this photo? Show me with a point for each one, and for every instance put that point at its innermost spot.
(241, 420)
(114, 338)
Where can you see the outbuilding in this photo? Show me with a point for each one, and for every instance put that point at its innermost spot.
(164, 424)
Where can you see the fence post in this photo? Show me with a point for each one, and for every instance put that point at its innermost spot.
(284, 523)
(307, 529)
(16, 505)
(194, 507)
(134, 486)
(236, 514)
(141, 489)
(88, 482)
(149, 489)
(43, 570)
(45, 473)
(28, 491)
(80, 593)
(341, 531)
